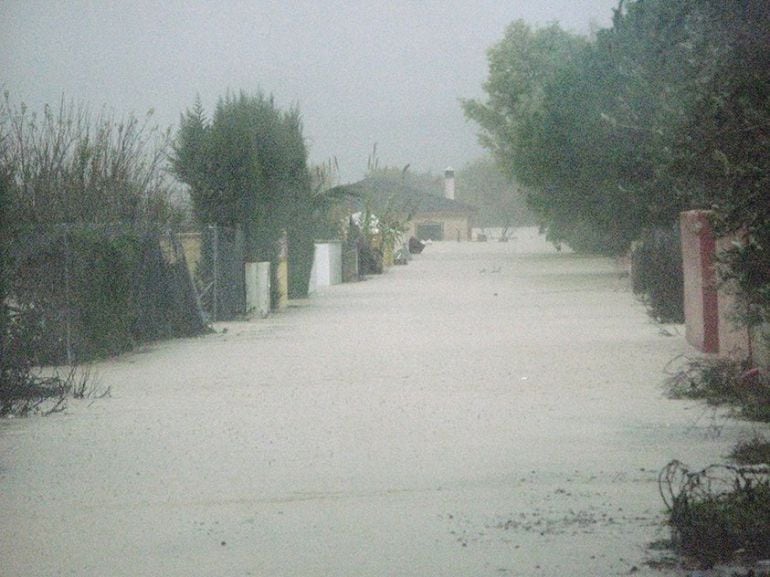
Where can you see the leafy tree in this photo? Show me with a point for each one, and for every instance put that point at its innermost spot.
(627, 130)
(720, 147)
(695, 78)
(190, 160)
(246, 168)
(535, 124)
(668, 109)
(520, 67)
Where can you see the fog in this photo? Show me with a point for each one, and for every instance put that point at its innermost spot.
(362, 72)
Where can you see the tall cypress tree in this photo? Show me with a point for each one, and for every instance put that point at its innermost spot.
(247, 168)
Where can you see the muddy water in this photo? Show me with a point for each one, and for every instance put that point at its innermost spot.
(490, 409)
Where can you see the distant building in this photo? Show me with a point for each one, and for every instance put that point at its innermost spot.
(432, 215)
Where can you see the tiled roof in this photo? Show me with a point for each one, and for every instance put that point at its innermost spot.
(401, 196)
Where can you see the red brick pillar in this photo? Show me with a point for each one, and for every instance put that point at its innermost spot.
(701, 304)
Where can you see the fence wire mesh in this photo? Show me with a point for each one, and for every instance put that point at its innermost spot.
(85, 290)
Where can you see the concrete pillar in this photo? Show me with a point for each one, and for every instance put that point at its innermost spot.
(258, 288)
(327, 264)
(710, 312)
(282, 274)
(701, 307)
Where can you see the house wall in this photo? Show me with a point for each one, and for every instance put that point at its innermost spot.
(456, 227)
(733, 340)
(191, 245)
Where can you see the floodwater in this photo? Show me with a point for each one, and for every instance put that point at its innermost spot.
(491, 409)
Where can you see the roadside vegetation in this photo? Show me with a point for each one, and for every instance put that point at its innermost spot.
(718, 514)
(85, 204)
(21, 390)
(246, 169)
(722, 512)
(611, 138)
(90, 263)
(724, 382)
(91, 266)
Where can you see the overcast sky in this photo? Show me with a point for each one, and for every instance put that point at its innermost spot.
(389, 72)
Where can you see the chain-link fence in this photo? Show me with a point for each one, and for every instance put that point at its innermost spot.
(220, 274)
(86, 291)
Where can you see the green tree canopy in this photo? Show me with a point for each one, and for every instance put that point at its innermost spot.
(521, 65)
(667, 110)
(246, 168)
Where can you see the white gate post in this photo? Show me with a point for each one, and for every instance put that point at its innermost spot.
(258, 288)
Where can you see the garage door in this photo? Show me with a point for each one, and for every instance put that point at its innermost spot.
(430, 231)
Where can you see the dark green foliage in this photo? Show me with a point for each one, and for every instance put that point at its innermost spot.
(93, 291)
(102, 305)
(667, 110)
(744, 271)
(657, 274)
(73, 287)
(16, 382)
(520, 66)
(720, 145)
(21, 390)
(581, 136)
(246, 168)
(542, 126)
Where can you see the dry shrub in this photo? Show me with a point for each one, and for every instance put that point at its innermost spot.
(720, 513)
(753, 451)
(724, 381)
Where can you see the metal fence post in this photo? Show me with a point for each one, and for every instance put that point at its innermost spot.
(215, 264)
(68, 301)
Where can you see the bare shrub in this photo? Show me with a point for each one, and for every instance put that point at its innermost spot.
(724, 381)
(718, 513)
(68, 165)
(67, 178)
(753, 451)
(38, 392)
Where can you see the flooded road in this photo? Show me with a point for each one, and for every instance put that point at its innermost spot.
(491, 409)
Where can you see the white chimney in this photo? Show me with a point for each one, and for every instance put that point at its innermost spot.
(449, 183)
